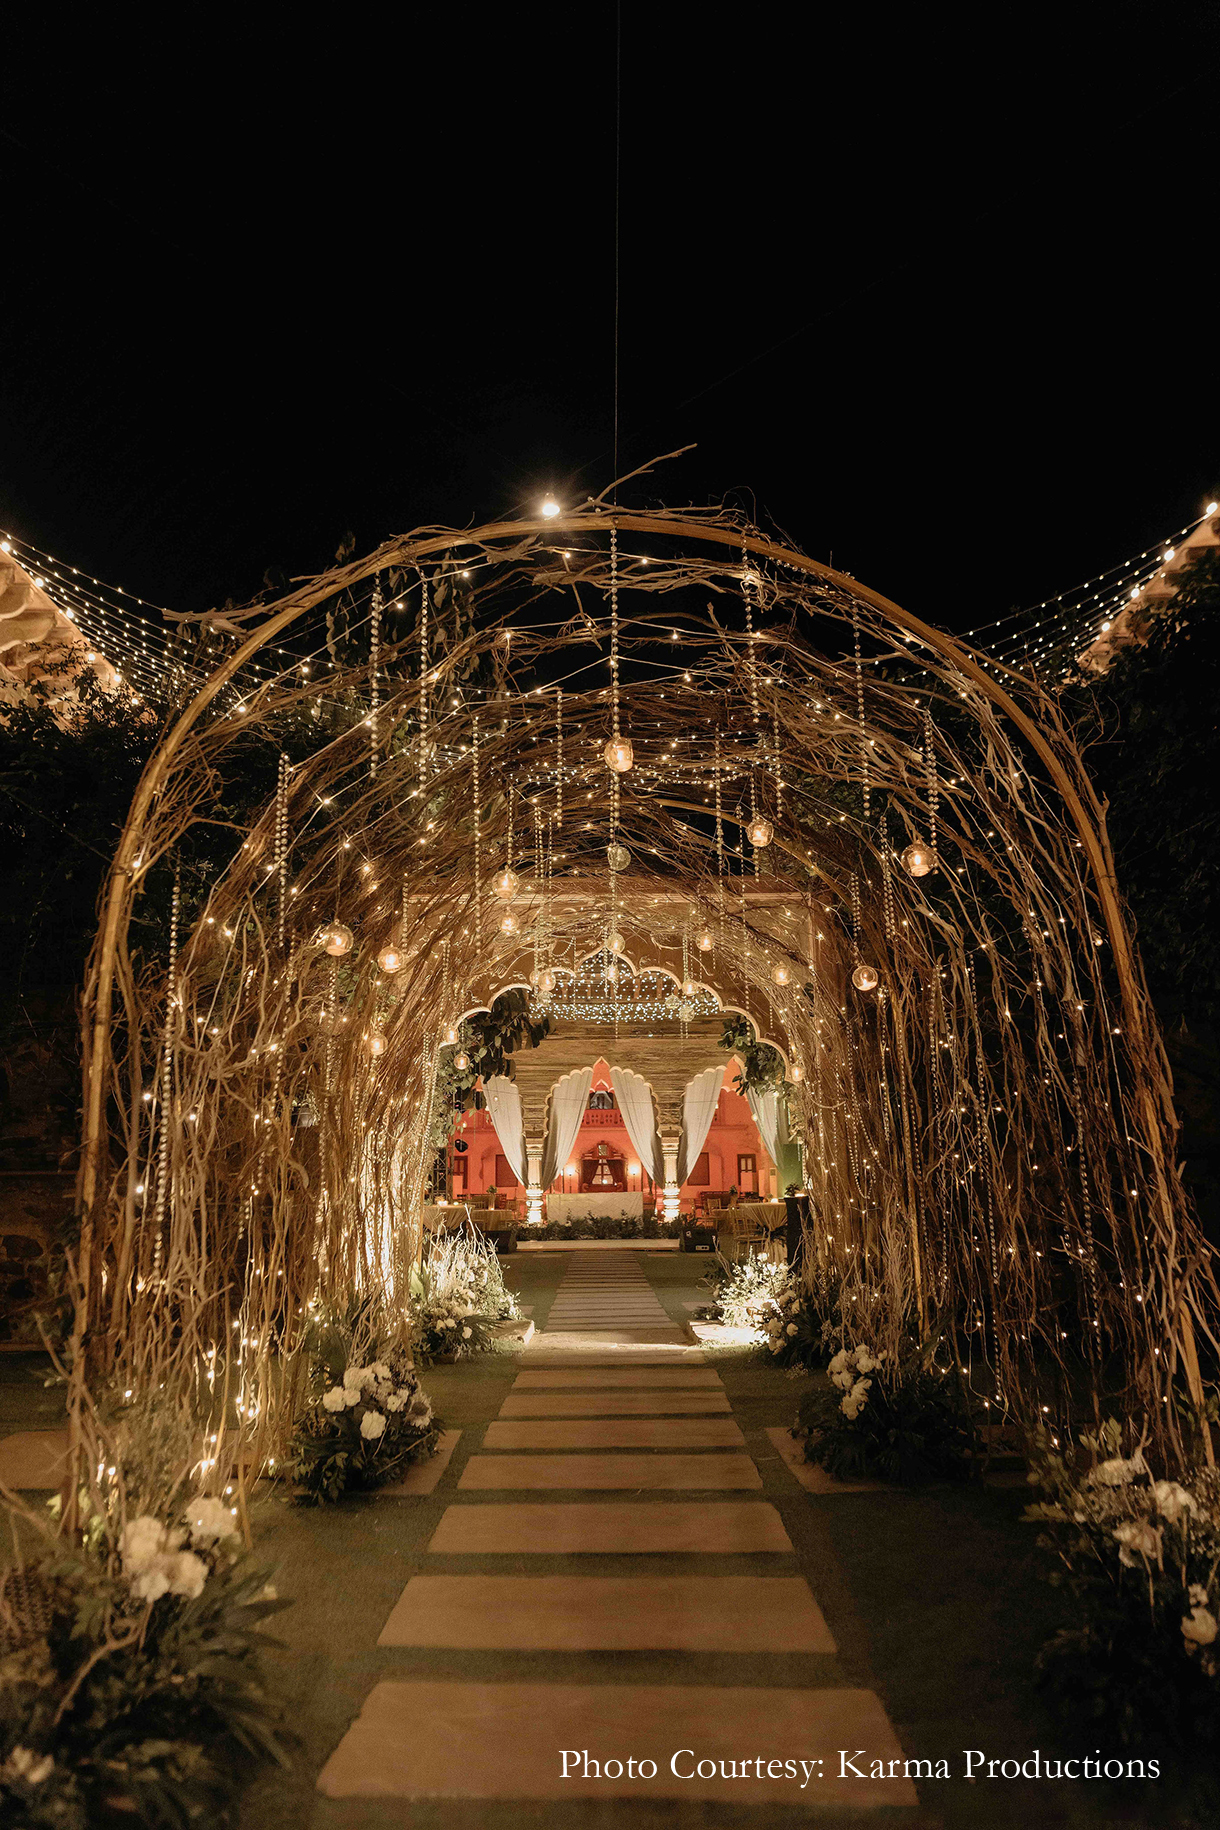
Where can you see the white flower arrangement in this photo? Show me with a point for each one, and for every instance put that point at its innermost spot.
(847, 1371)
(161, 1559)
(362, 1428)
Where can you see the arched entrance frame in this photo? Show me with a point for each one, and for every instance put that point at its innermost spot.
(154, 824)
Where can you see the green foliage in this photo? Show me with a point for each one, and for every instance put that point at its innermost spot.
(607, 1226)
(1135, 1561)
(763, 1066)
(126, 1709)
(906, 1423)
(1155, 754)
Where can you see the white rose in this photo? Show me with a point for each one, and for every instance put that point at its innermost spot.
(372, 1424)
(334, 1399)
(864, 1360)
(24, 1764)
(187, 1574)
(1171, 1500)
(152, 1583)
(380, 1370)
(1198, 1595)
(351, 1396)
(1199, 1627)
(1117, 1473)
(792, 1328)
(1137, 1535)
(466, 1333)
(838, 1364)
(141, 1544)
(210, 1519)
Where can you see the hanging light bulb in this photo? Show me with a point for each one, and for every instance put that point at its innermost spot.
(391, 960)
(535, 975)
(451, 1034)
(864, 978)
(619, 755)
(506, 884)
(760, 832)
(918, 859)
(337, 939)
(617, 856)
(509, 924)
(546, 980)
(780, 974)
(615, 941)
(689, 988)
(461, 1062)
(704, 940)
(796, 1072)
(375, 1043)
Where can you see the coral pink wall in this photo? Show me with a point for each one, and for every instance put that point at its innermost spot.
(733, 1134)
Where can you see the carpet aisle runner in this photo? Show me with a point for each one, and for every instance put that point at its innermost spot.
(611, 1399)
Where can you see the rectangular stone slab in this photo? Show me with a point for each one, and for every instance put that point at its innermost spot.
(436, 1740)
(609, 1614)
(617, 1433)
(657, 1378)
(556, 1473)
(612, 1527)
(612, 1404)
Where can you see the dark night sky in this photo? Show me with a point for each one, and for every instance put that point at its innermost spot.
(937, 294)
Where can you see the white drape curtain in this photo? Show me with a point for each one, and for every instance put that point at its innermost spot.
(504, 1105)
(569, 1103)
(634, 1097)
(765, 1111)
(698, 1110)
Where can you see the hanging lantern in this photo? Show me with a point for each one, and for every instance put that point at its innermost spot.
(617, 856)
(535, 975)
(615, 942)
(546, 980)
(509, 924)
(796, 1073)
(704, 940)
(686, 1011)
(337, 939)
(689, 988)
(671, 1003)
(619, 755)
(864, 978)
(918, 859)
(781, 975)
(506, 884)
(451, 1035)
(760, 832)
(391, 960)
(461, 1062)
(375, 1043)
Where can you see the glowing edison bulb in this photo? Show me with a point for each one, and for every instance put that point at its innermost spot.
(796, 1073)
(451, 1034)
(546, 980)
(781, 975)
(619, 755)
(506, 884)
(375, 1042)
(704, 940)
(918, 859)
(689, 988)
(391, 960)
(760, 832)
(864, 978)
(617, 857)
(549, 509)
(337, 939)
(510, 924)
(615, 941)
(461, 1062)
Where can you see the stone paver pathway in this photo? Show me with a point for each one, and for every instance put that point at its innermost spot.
(593, 1409)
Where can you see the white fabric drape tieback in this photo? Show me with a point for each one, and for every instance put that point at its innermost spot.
(699, 1104)
(504, 1106)
(634, 1097)
(569, 1103)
